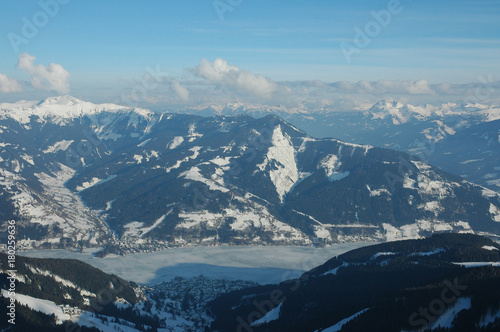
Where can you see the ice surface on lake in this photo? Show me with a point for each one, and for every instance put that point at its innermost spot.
(260, 264)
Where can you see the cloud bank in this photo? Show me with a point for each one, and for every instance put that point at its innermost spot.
(9, 85)
(234, 79)
(218, 83)
(420, 87)
(51, 78)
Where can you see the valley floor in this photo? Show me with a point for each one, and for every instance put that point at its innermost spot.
(263, 265)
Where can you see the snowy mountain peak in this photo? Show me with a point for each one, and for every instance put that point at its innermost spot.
(387, 105)
(402, 113)
(395, 109)
(60, 100)
(60, 107)
(68, 106)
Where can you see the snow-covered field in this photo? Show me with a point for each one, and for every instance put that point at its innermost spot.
(84, 318)
(259, 264)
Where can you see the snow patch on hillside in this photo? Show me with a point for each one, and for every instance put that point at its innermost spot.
(433, 206)
(330, 164)
(391, 232)
(143, 143)
(429, 186)
(410, 231)
(138, 158)
(383, 253)
(495, 212)
(378, 192)
(196, 152)
(337, 327)
(133, 229)
(60, 280)
(192, 134)
(84, 318)
(489, 193)
(429, 253)
(136, 229)
(305, 140)
(476, 264)
(221, 161)
(194, 174)
(280, 158)
(308, 216)
(353, 146)
(489, 318)
(335, 270)
(272, 315)
(95, 182)
(446, 319)
(336, 176)
(43, 306)
(176, 141)
(58, 146)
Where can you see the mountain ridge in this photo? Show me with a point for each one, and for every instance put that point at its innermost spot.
(139, 180)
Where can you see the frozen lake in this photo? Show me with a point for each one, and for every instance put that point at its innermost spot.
(259, 264)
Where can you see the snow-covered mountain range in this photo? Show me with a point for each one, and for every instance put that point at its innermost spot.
(423, 130)
(397, 112)
(77, 174)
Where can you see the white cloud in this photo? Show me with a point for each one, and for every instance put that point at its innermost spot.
(9, 85)
(228, 82)
(214, 71)
(51, 78)
(419, 87)
(181, 92)
(218, 83)
(231, 77)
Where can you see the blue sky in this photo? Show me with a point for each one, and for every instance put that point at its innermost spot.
(106, 47)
